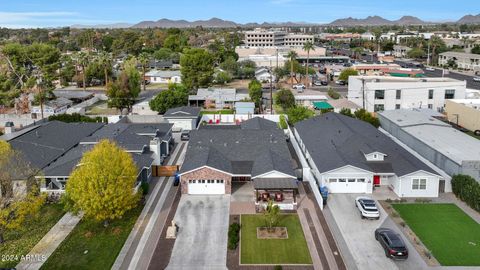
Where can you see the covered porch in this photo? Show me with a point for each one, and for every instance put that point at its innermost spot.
(282, 191)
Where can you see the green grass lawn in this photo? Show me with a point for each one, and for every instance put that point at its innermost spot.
(224, 111)
(103, 244)
(451, 235)
(20, 242)
(293, 250)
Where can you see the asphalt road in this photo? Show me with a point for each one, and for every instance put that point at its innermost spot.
(471, 84)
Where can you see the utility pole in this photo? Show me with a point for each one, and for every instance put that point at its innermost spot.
(363, 92)
(428, 54)
(271, 88)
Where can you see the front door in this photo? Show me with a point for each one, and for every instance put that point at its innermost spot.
(376, 180)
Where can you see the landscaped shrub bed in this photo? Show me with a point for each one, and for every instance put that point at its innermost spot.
(233, 236)
(467, 189)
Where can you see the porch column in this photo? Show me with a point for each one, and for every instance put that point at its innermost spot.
(256, 197)
(294, 196)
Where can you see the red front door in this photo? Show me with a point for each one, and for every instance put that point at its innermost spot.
(376, 180)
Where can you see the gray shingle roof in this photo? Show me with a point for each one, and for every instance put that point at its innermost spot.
(258, 123)
(239, 151)
(42, 145)
(334, 140)
(274, 183)
(183, 112)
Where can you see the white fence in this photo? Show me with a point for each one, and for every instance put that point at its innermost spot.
(18, 120)
(233, 118)
(80, 108)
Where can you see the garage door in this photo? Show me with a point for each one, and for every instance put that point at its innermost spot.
(347, 185)
(206, 187)
(180, 124)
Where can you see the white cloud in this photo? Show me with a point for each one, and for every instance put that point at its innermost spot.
(22, 17)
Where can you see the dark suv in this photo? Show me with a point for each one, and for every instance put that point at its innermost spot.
(392, 243)
(185, 136)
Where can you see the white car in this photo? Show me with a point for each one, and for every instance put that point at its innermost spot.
(477, 79)
(299, 86)
(430, 69)
(367, 207)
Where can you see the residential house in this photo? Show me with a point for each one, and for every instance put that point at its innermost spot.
(400, 51)
(379, 93)
(449, 149)
(255, 150)
(347, 155)
(263, 74)
(183, 118)
(218, 98)
(244, 107)
(51, 107)
(164, 76)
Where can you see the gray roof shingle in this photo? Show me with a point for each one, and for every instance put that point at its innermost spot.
(334, 140)
(182, 112)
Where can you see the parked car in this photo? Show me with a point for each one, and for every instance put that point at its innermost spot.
(299, 86)
(430, 69)
(340, 82)
(185, 136)
(367, 207)
(324, 82)
(477, 79)
(392, 243)
(317, 83)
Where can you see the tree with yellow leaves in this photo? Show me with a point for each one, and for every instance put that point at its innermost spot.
(102, 185)
(16, 209)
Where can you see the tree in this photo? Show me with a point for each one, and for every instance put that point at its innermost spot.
(197, 68)
(106, 63)
(298, 113)
(416, 53)
(83, 60)
(123, 92)
(347, 73)
(437, 45)
(271, 214)
(175, 96)
(292, 55)
(308, 46)
(255, 92)
(346, 111)
(16, 208)
(223, 77)
(102, 185)
(333, 94)
(144, 60)
(476, 49)
(363, 115)
(377, 33)
(285, 99)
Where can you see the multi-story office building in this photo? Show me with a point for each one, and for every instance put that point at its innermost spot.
(275, 38)
(379, 93)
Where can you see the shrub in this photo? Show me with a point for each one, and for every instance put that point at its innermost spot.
(282, 123)
(333, 94)
(145, 187)
(75, 117)
(233, 236)
(395, 214)
(467, 189)
(277, 267)
(388, 200)
(402, 224)
(422, 200)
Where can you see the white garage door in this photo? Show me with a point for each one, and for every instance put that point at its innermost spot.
(206, 187)
(347, 185)
(182, 124)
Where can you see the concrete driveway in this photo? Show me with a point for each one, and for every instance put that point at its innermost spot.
(359, 233)
(202, 237)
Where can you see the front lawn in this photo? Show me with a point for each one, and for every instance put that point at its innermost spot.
(103, 244)
(20, 242)
(293, 250)
(451, 235)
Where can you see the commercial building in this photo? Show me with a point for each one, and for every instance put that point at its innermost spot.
(449, 149)
(379, 93)
(275, 38)
(468, 61)
(465, 113)
(347, 155)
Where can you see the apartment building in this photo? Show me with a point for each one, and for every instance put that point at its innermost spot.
(275, 38)
(379, 93)
(468, 61)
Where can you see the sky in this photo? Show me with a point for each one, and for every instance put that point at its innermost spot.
(55, 13)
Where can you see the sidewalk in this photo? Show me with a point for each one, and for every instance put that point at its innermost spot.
(50, 242)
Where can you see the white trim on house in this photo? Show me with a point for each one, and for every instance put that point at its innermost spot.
(273, 174)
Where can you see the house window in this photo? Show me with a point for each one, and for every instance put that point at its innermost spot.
(351, 180)
(449, 94)
(361, 180)
(430, 94)
(342, 180)
(419, 184)
(430, 106)
(378, 107)
(332, 180)
(379, 94)
(398, 94)
(375, 156)
(397, 106)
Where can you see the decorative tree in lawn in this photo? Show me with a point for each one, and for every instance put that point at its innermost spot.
(271, 214)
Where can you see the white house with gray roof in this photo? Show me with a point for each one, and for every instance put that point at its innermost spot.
(164, 76)
(351, 156)
(183, 118)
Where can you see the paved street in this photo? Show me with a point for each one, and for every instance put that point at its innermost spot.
(202, 236)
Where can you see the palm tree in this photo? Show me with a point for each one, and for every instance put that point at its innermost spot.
(377, 33)
(144, 59)
(106, 62)
(83, 61)
(435, 42)
(292, 55)
(308, 46)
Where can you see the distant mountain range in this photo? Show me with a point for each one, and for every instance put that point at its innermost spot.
(219, 23)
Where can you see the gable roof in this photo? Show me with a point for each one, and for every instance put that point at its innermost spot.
(44, 144)
(259, 123)
(239, 151)
(182, 112)
(334, 140)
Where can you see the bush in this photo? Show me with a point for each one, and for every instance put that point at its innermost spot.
(422, 200)
(75, 117)
(283, 123)
(145, 187)
(277, 267)
(233, 236)
(467, 189)
(333, 94)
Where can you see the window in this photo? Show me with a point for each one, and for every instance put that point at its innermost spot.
(361, 180)
(378, 107)
(430, 106)
(430, 94)
(375, 156)
(419, 184)
(201, 181)
(398, 94)
(379, 94)
(351, 180)
(342, 180)
(449, 94)
(397, 106)
(332, 180)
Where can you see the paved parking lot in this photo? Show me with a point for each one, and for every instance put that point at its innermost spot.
(202, 237)
(359, 233)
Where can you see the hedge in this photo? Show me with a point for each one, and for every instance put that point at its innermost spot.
(233, 235)
(75, 117)
(283, 123)
(467, 189)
